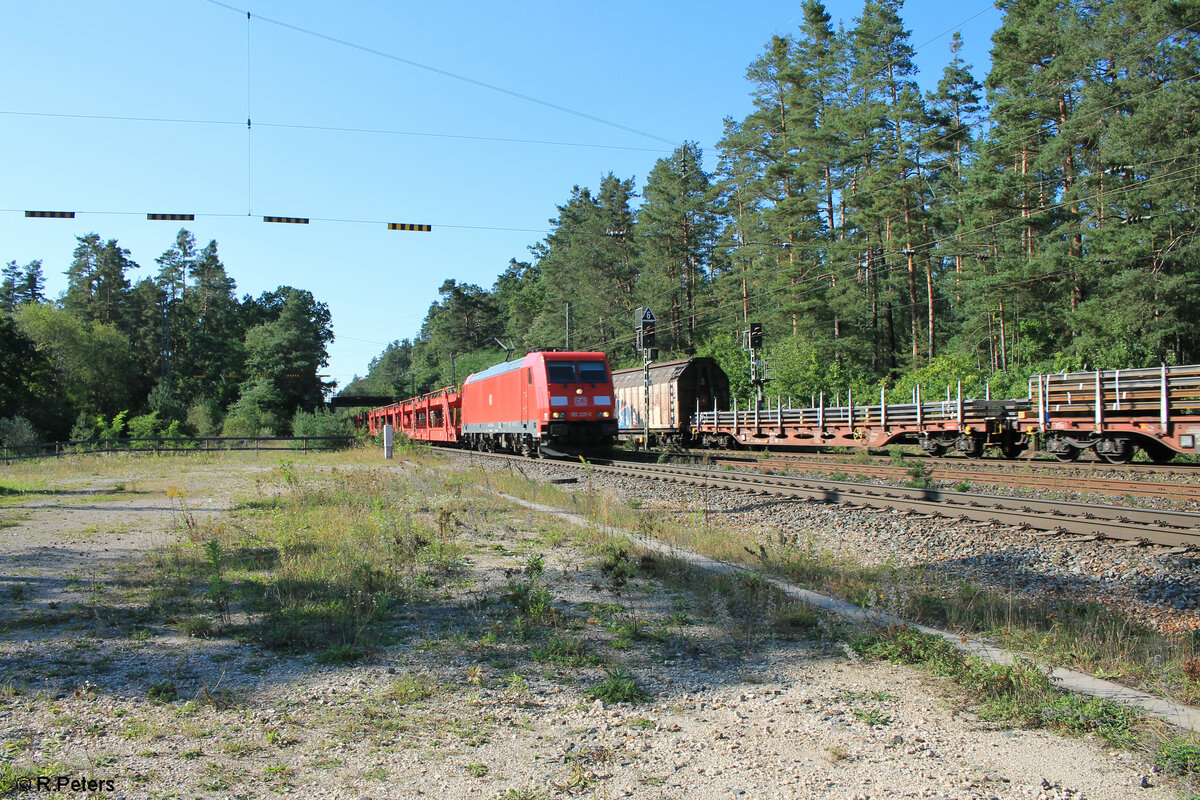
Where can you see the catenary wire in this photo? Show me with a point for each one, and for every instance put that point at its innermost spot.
(332, 129)
(447, 74)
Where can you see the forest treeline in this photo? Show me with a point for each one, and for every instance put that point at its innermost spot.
(173, 354)
(1042, 216)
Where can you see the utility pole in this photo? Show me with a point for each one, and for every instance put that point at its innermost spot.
(166, 342)
(567, 344)
(644, 325)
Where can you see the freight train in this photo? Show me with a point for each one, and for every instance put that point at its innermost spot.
(1113, 414)
(551, 402)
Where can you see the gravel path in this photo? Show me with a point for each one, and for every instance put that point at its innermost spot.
(456, 711)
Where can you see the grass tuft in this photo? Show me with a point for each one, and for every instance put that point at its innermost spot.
(619, 686)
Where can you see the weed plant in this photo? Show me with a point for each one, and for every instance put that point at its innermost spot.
(1022, 694)
(318, 568)
(618, 686)
(1056, 630)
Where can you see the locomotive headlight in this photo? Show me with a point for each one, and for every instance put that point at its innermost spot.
(579, 391)
(557, 414)
(605, 414)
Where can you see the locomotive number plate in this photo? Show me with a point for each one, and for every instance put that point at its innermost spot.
(581, 401)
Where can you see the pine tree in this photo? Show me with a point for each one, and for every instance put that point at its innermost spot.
(97, 286)
(675, 230)
(588, 271)
(889, 121)
(217, 327)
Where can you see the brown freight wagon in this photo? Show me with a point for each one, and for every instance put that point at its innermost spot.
(678, 390)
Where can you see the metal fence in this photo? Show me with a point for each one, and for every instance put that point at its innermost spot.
(200, 444)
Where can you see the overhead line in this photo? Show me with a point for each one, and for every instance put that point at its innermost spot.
(332, 129)
(447, 74)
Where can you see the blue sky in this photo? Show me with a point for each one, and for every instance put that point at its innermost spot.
(654, 70)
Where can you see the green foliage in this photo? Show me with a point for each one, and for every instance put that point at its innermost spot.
(89, 358)
(253, 414)
(285, 354)
(1020, 693)
(1178, 756)
(17, 432)
(935, 377)
(164, 692)
(801, 371)
(145, 426)
(114, 428)
(726, 350)
(322, 422)
(565, 651)
(100, 351)
(341, 654)
(205, 418)
(85, 427)
(618, 686)
(26, 378)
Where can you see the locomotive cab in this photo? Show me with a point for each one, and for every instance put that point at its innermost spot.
(579, 410)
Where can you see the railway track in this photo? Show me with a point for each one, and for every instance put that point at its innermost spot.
(1050, 481)
(1125, 525)
(1101, 478)
(959, 463)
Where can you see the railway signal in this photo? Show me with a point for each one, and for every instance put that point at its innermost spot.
(754, 336)
(643, 321)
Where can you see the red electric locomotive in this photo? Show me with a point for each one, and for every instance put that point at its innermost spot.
(548, 401)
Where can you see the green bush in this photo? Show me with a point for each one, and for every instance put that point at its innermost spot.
(1178, 757)
(204, 417)
(145, 426)
(17, 432)
(85, 427)
(114, 429)
(322, 423)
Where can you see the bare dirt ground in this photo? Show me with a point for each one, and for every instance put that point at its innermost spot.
(464, 702)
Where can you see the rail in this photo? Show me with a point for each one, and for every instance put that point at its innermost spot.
(163, 444)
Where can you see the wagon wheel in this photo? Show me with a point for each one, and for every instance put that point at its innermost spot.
(1124, 451)
(1065, 452)
(1119, 458)
(1011, 450)
(1070, 454)
(974, 448)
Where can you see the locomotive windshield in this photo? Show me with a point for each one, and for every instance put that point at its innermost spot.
(576, 372)
(592, 372)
